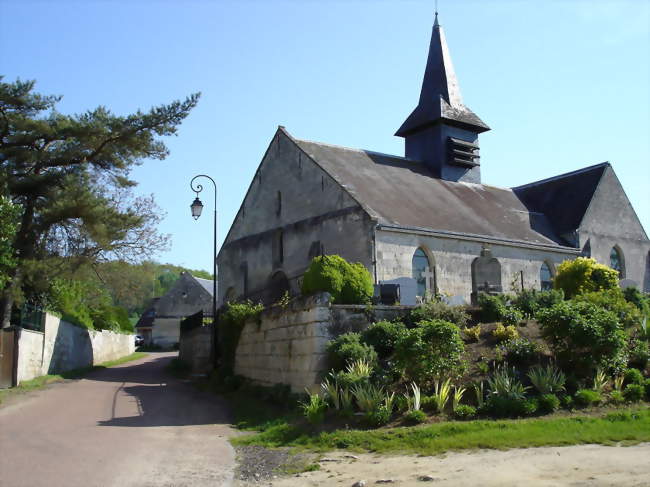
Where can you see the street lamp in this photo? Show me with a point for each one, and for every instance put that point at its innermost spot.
(197, 208)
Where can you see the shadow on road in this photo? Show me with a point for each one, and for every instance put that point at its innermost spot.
(162, 400)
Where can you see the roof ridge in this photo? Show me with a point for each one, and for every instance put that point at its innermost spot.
(355, 149)
(564, 175)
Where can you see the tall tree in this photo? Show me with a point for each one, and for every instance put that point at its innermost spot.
(8, 227)
(69, 175)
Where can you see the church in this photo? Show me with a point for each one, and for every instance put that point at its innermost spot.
(424, 220)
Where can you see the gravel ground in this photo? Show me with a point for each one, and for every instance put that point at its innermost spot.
(259, 465)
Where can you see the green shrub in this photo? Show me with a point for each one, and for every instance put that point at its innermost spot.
(356, 372)
(567, 402)
(583, 275)
(612, 300)
(314, 409)
(504, 383)
(530, 406)
(520, 351)
(378, 417)
(347, 283)
(616, 397)
(633, 376)
(639, 353)
(639, 299)
(510, 407)
(504, 333)
(587, 397)
(415, 416)
(548, 403)
(492, 307)
(232, 318)
(383, 336)
(529, 301)
(439, 310)
(357, 285)
(647, 389)
(512, 316)
(465, 411)
(633, 392)
(584, 336)
(347, 348)
(473, 333)
(547, 380)
(113, 318)
(430, 350)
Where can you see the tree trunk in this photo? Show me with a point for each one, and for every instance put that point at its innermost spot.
(7, 301)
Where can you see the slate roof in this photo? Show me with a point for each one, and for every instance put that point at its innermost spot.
(440, 97)
(206, 284)
(401, 192)
(564, 199)
(149, 315)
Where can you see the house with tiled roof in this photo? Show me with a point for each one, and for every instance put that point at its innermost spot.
(425, 218)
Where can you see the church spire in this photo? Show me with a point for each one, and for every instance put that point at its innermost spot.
(441, 105)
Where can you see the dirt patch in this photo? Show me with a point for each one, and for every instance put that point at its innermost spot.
(258, 464)
(584, 465)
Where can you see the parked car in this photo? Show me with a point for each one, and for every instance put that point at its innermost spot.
(139, 341)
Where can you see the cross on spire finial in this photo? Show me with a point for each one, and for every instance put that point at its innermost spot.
(435, 22)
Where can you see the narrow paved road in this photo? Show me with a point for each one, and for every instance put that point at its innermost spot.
(130, 425)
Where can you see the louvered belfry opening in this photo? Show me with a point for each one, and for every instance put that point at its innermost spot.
(462, 153)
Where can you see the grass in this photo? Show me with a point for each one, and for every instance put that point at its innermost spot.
(42, 381)
(626, 425)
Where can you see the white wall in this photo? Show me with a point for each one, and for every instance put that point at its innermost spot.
(62, 347)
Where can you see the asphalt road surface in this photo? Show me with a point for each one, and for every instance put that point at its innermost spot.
(130, 425)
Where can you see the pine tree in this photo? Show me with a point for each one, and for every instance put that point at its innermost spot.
(69, 176)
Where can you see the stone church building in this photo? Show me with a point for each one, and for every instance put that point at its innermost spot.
(425, 218)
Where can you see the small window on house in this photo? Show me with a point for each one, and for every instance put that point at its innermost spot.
(616, 261)
(278, 209)
(422, 273)
(545, 277)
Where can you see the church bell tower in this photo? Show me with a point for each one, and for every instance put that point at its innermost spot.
(441, 131)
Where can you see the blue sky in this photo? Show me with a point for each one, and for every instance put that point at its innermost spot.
(562, 84)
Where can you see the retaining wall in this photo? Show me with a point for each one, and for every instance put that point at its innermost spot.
(287, 345)
(63, 346)
(195, 348)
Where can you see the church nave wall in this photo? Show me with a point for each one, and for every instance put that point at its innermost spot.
(452, 261)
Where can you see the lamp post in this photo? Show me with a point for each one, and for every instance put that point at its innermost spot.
(197, 208)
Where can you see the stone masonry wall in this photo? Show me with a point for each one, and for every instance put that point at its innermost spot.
(288, 345)
(195, 348)
(62, 347)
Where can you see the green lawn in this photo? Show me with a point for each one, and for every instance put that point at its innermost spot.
(39, 382)
(629, 425)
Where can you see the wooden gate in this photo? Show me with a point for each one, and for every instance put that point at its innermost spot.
(7, 356)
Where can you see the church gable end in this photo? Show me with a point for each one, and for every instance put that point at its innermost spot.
(610, 212)
(290, 204)
(287, 188)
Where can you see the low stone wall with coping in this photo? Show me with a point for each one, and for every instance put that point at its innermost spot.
(63, 346)
(287, 345)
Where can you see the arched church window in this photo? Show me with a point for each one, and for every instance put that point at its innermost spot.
(545, 277)
(616, 261)
(423, 273)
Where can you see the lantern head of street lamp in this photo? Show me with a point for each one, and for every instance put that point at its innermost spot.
(197, 208)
